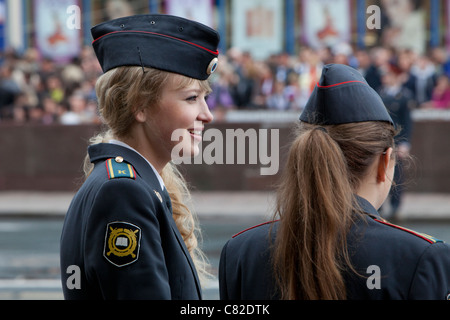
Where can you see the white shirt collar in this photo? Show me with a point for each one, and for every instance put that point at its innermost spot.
(123, 144)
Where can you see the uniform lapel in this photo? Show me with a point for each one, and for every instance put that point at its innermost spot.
(175, 230)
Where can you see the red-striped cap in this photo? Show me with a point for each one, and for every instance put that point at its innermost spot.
(159, 41)
(342, 95)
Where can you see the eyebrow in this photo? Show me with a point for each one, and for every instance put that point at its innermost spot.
(197, 91)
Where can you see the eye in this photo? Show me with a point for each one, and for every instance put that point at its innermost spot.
(192, 98)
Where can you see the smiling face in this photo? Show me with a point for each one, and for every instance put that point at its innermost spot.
(181, 109)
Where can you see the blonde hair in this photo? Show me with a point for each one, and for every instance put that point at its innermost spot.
(316, 205)
(120, 91)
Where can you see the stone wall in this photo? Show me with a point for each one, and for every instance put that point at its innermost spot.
(49, 158)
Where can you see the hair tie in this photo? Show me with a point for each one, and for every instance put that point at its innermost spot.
(321, 129)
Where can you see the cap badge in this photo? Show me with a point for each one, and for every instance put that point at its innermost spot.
(212, 66)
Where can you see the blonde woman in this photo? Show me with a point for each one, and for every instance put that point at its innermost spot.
(329, 242)
(128, 232)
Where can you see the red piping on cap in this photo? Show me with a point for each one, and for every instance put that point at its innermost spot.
(338, 84)
(162, 35)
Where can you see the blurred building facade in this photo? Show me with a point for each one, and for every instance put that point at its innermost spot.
(59, 28)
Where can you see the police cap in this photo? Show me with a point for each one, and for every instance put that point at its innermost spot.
(159, 41)
(342, 95)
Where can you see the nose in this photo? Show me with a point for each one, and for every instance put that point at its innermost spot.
(205, 114)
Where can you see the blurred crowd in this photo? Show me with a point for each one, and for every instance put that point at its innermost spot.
(36, 90)
(284, 82)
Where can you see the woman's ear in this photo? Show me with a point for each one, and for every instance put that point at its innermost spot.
(384, 161)
(140, 115)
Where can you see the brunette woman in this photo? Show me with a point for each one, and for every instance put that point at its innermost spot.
(129, 233)
(330, 242)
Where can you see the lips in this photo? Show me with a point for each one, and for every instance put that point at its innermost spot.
(196, 132)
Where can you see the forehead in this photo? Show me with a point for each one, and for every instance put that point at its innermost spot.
(180, 82)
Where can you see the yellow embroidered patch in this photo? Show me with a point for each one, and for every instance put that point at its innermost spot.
(122, 242)
(117, 168)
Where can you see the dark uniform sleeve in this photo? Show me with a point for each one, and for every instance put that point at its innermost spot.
(123, 252)
(245, 271)
(432, 277)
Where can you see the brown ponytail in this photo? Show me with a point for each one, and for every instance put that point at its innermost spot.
(315, 204)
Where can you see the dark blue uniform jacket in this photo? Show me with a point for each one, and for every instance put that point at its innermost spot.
(119, 233)
(396, 263)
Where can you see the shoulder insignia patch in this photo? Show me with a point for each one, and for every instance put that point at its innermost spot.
(117, 168)
(122, 243)
(424, 236)
(258, 225)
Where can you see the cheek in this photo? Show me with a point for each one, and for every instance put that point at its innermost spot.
(172, 126)
(180, 116)
(177, 131)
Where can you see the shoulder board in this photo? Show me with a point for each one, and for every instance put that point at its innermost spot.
(423, 236)
(258, 225)
(117, 168)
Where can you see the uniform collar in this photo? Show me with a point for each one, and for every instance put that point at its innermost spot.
(144, 169)
(123, 144)
(367, 207)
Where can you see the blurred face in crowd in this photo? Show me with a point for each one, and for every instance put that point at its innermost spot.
(363, 58)
(77, 103)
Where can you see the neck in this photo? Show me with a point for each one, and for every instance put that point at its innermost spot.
(372, 193)
(146, 151)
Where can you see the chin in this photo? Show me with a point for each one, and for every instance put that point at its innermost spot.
(195, 150)
(190, 149)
